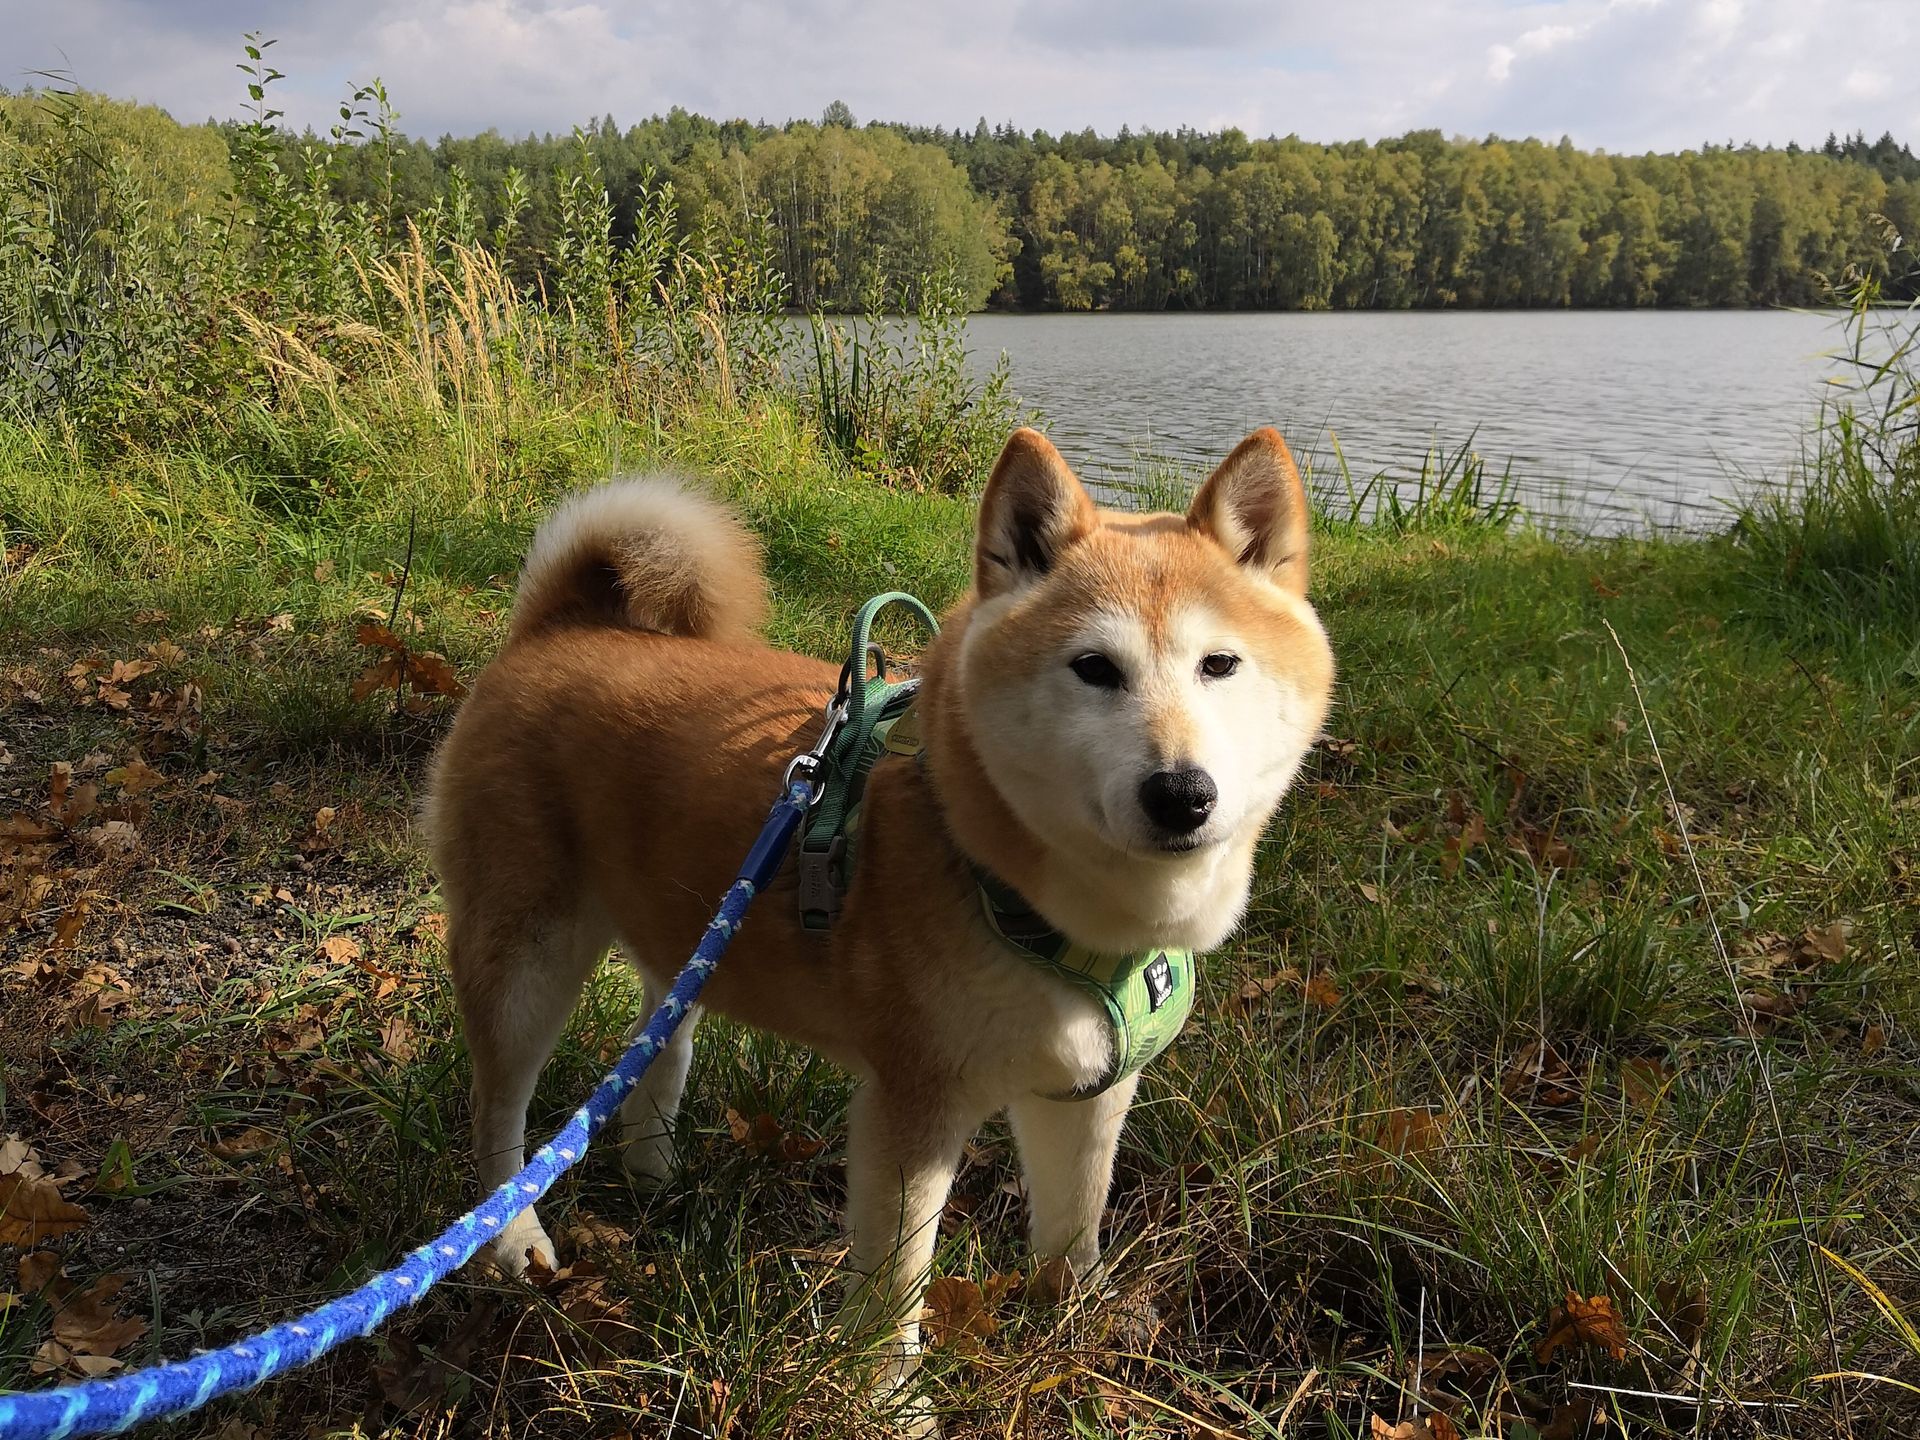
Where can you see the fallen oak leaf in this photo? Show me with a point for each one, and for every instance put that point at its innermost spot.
(431, 674)
(87, 1333)
(1591, 1321)
(764, 1135)
(377, 636)
(135, 776)
(1539, 1073)
(125, 672)
(1321, 990)
(958, 1313)
(1473, 832)
(1645, 1081)
(396, 1039)
(38, 1272)
(340, 949)
(1254, 991)
(385, 675)
(1683, 1309)
(249, 1142)
(1436, 1426)
(32, 1210)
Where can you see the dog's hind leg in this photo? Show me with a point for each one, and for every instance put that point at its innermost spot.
(516, 990)
(647, 1115)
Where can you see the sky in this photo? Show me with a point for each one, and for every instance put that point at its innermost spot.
(1619, 75)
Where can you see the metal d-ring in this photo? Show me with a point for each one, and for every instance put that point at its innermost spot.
(808, 762)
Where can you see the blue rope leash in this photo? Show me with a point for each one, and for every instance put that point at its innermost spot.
(111, 1406)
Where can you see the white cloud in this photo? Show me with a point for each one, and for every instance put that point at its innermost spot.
(1619, 74)
(1865, 84)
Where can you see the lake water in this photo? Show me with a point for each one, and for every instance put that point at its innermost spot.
(1609, 419)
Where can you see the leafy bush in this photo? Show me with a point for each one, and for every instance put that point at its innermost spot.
(893, 395)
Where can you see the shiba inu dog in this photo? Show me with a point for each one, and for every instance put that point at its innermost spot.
(1108, 720)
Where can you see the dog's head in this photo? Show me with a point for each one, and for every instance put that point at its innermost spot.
(1143, 686)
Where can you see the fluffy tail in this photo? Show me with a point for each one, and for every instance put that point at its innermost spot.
(646, 553)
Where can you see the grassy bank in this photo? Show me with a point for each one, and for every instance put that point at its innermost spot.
(1526, 1006)
(1561, 1080)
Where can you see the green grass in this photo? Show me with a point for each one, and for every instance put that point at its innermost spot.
(1481, 860)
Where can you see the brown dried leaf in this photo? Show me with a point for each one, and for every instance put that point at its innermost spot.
(381, 676)
(1684, 1308)
(958, 1313)
(1323, 991)
(1645, 1081)
(1579, 1420)
(396, 1038)
(379, 637)
(1256, 990)
(430, 674)
(340, 949)
(1539, 1074)
(135, 776)
(1435, 1426)
(1546, 849)
(32, 1210)
(249, 1142)
(67, 928)
(1411, 1134)
(1473, 831)
(87, 1334)
(764, 1135)
(1828, 943)
(39, 1270)
(1579, 1322)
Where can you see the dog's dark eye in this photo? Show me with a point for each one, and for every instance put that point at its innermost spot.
(1219, 665)
(1097, 669)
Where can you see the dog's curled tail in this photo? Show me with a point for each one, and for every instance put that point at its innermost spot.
(647, 553)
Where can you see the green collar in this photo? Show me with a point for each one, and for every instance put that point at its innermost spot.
(1146, 994)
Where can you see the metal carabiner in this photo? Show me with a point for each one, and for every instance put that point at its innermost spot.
(808, 762)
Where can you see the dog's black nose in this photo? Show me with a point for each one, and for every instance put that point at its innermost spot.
(1178, 800)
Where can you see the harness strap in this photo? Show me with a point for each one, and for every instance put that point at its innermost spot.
(1147, 994)
(874, 704)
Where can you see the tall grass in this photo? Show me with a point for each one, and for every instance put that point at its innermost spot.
(1838, 546)
(323, 345)
(893, 394)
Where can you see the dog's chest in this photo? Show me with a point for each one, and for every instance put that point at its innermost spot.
(1009, 1029)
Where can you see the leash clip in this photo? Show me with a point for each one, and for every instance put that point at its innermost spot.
(807, 763)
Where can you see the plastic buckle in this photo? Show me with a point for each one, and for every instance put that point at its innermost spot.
(819, 895)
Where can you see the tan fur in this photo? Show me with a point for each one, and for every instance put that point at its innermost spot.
(604, 779)
(648, 553)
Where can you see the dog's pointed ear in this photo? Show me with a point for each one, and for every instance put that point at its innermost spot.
(1034, 508)
(1255, 507)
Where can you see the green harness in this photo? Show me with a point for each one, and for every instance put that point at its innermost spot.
(1147, 995)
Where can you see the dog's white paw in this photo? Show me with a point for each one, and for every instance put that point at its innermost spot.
(650, 1160)
(524, 1240)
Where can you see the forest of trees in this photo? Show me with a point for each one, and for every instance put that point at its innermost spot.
(855, 215)
(1190, 220)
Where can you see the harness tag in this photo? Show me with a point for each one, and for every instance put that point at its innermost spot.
(1159, 978)
(903, 735)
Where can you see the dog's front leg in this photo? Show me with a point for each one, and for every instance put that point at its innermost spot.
(902, 1151)
(1066, 1151)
